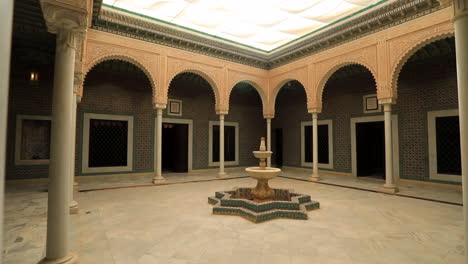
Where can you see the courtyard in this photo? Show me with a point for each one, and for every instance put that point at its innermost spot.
(172, 223)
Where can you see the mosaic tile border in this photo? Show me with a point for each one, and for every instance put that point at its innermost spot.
(257, 212)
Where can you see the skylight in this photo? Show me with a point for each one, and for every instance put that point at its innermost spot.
(261, 24)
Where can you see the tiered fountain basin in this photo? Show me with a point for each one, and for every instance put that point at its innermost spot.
(284, 204)
(262, 203)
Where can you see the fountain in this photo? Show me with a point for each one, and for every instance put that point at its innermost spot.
(262, 203)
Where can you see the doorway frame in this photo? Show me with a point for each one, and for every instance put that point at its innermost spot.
(188, 122)
(211, 163)
(329, 123)
(85, 144)
(432, 145)
(395, 143)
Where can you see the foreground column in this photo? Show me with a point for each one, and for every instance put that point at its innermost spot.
(315, 176)
(158, 178)
(389, 186)
(221, 173)
(460, 8)
(6, 21)
(73, 203)
(269, 139)
(58, 237)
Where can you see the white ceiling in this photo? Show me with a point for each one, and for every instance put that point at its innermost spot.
(261, 24)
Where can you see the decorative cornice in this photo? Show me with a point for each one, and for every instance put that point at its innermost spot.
(377, 20)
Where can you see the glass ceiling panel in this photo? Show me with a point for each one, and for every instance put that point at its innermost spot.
(261, 24)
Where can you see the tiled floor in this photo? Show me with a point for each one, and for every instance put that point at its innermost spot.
(173, 224)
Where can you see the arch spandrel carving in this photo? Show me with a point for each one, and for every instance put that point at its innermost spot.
(277, 82)
(366, 57)
(213, 75)
(402, 48)
(97, 53)
(260, 84)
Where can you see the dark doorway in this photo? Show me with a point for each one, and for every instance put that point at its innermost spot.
(279, 147)
(370, 148)
(175, 147)
(322, 139)
(448, 145)
(229, 143)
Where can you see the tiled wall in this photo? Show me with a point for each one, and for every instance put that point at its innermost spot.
(199, 106)
(423, 86)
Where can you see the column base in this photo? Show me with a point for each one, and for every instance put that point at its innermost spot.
(71, 258)
(389, 188)
(74, 209)
(76, 188)
(222, 175)
(315, 178)
(159, 180)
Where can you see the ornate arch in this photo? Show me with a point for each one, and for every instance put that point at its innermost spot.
(116, 56)
(255, 82)
(323, 79)
(406, 48)
(301, 75)
(277, 89)
(204, 75)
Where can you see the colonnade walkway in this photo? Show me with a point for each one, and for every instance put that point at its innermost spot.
(173, 223)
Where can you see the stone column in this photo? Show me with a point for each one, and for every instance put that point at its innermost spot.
(73, 203)
(58, 237)
(389, 186)
(315, 175)
(268, 119)
(221, 173)
(460, 8)
(6, 21)
(158, 178)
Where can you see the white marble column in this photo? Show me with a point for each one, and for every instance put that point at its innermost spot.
(268, 119)
(6, 20)
(58, 218)
(158, 178)
(460, 8)
(389, 186)
(221, 173)
(73, 203)
(315, 175)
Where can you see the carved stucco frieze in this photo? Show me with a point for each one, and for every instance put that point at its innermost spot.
(99, 52)
(402, 48)
(366, 57)
(212, 74)
(259, 83)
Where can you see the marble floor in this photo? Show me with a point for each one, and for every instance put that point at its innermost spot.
(173, 224)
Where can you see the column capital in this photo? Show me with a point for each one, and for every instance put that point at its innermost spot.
(460, 8)
(222, 112)
(268, 116)
(314, 110)
(65, 16)
(387, 101)
(159, 106)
